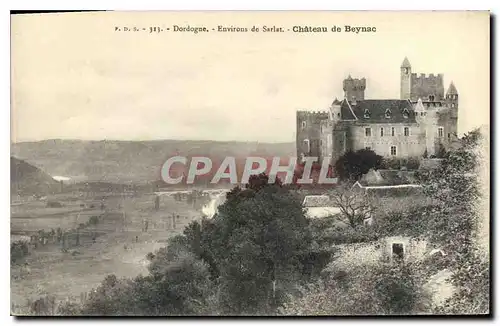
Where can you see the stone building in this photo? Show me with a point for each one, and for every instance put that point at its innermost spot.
(423, 119)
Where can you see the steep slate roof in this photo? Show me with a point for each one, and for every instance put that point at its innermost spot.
(377, 109)
(406, 63)
(452, 90)
(377, 178)
(318, 201)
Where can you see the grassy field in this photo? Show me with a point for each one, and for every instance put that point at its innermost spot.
(119, 246)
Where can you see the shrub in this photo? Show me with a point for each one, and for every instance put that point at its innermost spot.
(18, 250)
(54, 204)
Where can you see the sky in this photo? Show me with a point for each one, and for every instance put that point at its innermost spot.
(75, 77)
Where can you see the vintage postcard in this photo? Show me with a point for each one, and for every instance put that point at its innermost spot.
(250, 163)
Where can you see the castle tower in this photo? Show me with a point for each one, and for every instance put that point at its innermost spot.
(427, 121)
(452, 104)
(405, 90)
(452, 96)
(354, 88)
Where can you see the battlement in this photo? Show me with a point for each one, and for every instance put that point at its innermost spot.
(312, 115)
(422, 78)
(350, 83)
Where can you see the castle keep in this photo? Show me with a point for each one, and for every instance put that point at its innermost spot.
(423, 119)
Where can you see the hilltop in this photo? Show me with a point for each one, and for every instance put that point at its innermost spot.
(130, 161)
(28, 179)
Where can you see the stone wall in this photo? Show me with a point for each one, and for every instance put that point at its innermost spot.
(309, 128)
(412, 145)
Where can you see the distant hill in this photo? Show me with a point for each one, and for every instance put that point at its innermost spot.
(27, 179)
(130, 161)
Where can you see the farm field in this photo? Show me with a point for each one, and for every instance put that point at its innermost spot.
(117, 244)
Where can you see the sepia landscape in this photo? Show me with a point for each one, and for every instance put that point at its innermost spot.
(402, 228)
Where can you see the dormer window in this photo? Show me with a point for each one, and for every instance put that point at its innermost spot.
(388, 114)
(367, 114)
(406, 113)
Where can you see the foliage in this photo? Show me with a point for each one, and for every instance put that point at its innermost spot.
(355, 207)
(454, 186)
(18, 250)
(411, 163)
(243, 261)
(352, 165)
(54, 204)
(441, 153)
(258, 241)
(384, 289)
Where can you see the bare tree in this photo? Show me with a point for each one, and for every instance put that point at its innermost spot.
(355, 205)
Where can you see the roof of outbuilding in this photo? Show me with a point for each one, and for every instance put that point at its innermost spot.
(318, 201)
(377, 178)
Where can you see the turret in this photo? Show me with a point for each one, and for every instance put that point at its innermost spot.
(452, 100)
(426, 120)
(405, 89)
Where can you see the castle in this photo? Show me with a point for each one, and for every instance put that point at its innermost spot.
(422, 120)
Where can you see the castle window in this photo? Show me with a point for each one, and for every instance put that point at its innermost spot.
(367, 114)
(338, 114)
(392, 131)
(393, 150)
(406, 114)
(431, 98)
(321, 142)
(449, 135)
(440, 132)
(381, 132)
(304, 124)
(368, 132)
(387, 114)
(368, 148)
(307, 146)
(407, 131)
(452, 105)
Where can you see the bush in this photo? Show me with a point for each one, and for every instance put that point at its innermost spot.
(18, 250)
(54, 204)
(411, 163)
(352, 165)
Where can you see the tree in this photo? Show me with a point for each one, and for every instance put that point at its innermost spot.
(355, 206)
(352, 165)
(455, 189)
(257, 242)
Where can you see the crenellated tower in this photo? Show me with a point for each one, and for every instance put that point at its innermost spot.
(354, 88)
(308, 134)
